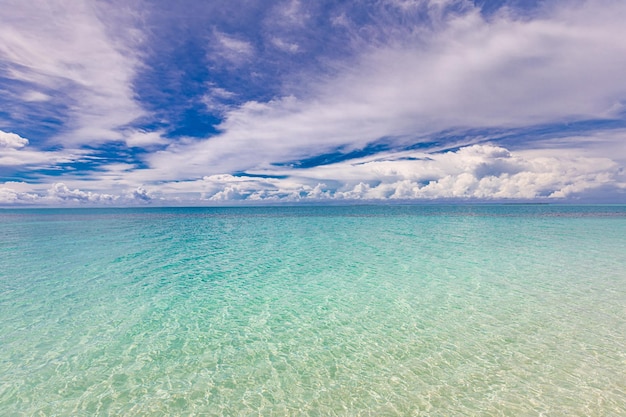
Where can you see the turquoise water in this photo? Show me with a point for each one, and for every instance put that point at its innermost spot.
(381, 311)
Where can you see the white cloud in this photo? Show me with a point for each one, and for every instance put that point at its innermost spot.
(221, 93)
(470, 73)
(143, 139)
(60, 192)
(17, 192)
(476, 172)
(69, 48)
(598, 144)
(35, 96)
(465, 72)
(231, 48)
(12, 140)
(434, 7)
(290, 13)
(217, 97)
(141, 194)
(285, 46)
(14, 152)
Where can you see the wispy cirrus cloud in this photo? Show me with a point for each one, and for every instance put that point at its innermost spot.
(66, 54)
(15, 152)
(286, 46)
(505, 72)
(296, 101)
(231, 48)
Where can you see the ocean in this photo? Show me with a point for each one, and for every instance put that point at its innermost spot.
(432, 310)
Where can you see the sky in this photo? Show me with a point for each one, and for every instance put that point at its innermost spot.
(190, 102)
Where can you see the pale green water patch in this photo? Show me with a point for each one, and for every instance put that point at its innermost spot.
(465, 310)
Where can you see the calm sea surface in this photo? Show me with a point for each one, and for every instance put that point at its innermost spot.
(374, 311)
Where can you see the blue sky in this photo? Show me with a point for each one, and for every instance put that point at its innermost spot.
(222, 102)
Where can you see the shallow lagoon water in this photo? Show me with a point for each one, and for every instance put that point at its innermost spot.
(369, 310)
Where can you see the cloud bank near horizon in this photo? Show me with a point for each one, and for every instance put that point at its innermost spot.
(482, 172)
(394, 101)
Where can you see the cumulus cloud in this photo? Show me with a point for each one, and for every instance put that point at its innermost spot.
(12, 140)
(226, 187)
(17, 193)
(141, 193)
(478, 172)
(484, 172)
(59, 193)
(487, 172)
